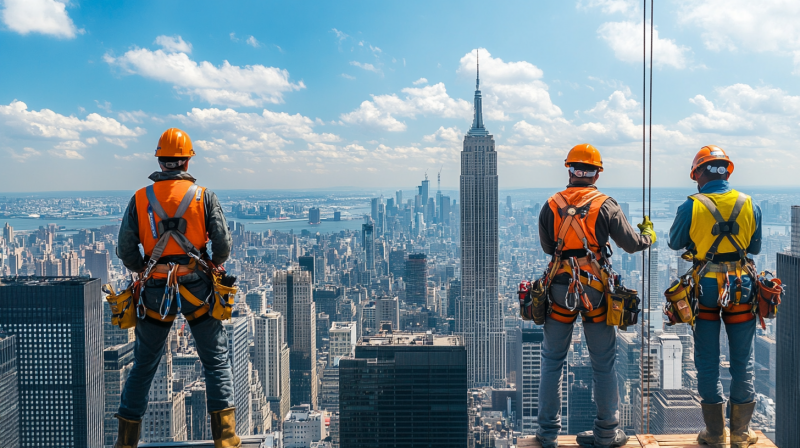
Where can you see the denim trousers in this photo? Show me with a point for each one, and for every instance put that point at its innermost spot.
(741, 338)
(601, 339)
(211, 341)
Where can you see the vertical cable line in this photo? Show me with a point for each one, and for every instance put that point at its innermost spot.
(650, 199)
(646, 314)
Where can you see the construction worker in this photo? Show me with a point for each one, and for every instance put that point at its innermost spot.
(720, 227)
(599, 218)
(172, 205)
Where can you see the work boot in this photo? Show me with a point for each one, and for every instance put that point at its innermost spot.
(741, 434)
(547, 443)
(129, 433)
(715, 433)
(223, 429)
(586, 439)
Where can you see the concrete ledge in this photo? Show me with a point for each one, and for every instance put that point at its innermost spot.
(645, 441)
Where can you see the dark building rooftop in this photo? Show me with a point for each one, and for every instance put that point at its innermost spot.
(44, 281)
(262, 441)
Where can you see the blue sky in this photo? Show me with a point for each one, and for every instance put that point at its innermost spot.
(320, 94)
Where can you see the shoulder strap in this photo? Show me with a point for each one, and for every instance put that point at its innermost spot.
(737, 208)
(179, 237)
(709, 204)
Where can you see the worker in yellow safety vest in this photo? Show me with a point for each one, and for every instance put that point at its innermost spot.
(575, 227)
(720, 227)
(173, 220)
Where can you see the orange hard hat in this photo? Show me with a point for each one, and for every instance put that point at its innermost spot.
(584, 153)
(174, 143)
(707, 154)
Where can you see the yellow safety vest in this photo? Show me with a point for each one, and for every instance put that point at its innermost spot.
(701, 230)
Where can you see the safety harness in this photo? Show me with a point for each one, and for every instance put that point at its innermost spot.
(733, 312)
(172, 227)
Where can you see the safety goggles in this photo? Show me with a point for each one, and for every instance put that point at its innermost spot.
(582, 173)
(717, 169)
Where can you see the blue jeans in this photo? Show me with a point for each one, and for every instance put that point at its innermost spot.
(210, 338)
(741, 338)
(601, 340)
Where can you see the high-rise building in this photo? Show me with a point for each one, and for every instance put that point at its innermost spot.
(787, 399)
(326, 298)
(9, 394)
(302, 427)
(416, 279)
(292, 291)
(58, 324)
(239, 355)
(627, 367)
(397, 263)
(675, 411)
(453, 296)
(399, 197)
(343, 340)
(195, 405)
(313, 215)
(271, 361)
(117, 364)
(404, 389)
(306, 263)
(329, 393)
(582, 408)
(528, 377)
(368, 241)
(165, 419)
(478, 315)
(255, 301)
(8, 231)
(98, 263)
(387, 309)
(671, 362)
(374, 202)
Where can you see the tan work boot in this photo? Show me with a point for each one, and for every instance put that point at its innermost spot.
(741, 434)
(223, 429)
(129, 433)
(715, 433)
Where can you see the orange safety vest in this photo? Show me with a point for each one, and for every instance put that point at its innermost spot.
(169, 194)
(581, 207)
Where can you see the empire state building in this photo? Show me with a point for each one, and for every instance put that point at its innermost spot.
(478, 317)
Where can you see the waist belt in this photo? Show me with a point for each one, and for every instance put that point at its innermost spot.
(732, 314)
(160, 271)
(566, 316)
(726, 266)
(593, 282)
(191, 298)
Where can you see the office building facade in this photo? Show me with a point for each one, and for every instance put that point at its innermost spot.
(239, 355)
(416, 279)
(58, 324)
(117, 364)
(271, 361)
(9, 393)
(787, 343)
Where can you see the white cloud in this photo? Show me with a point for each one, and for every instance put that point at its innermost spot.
(48, 124)
(253, 42)
(250, 85)
(173, 44)
(452, 135)
(431, 101)
(71, 144)
(91, 140)
(346, 76)
(67, 154)
(134, 156)
(233, 37)
(340, 36)
(39, 16)
(510, 87)
(763, 26)
(420, 81)
(625, 38)
(134, 116)
(626, 7)
(26, 154)
(375, 50)
(367, 66)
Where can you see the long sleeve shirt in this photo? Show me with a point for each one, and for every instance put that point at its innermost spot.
(216, 226)
(611, 223)
(679, 238)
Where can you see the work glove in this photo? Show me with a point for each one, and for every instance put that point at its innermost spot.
(646, 228)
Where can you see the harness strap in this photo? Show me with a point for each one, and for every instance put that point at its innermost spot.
(562, 314)
(179, 238)
(595, 316)
(594, 283)
(712, 208)
(736, 314)
(708, 313)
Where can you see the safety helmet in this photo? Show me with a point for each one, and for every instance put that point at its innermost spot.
(174, 143)
(707, 154)
(584, 153)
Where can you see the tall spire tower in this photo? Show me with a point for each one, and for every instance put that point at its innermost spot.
(478, 317)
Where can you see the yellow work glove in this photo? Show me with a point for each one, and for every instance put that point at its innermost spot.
(646, 228)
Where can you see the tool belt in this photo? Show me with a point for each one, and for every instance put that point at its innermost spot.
(567, 316)
(533, 301)
(768, 296)
(731, 314)
(123, 312)
(681, 304)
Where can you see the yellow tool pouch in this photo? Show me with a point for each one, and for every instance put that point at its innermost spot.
(616, 307)
(623, 307)
(123, 311)
(533, 301)
(222, 299)
(680, 301)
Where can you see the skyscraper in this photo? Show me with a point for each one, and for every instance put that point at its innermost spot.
(9, 395)
(416, 278)
(117, 364)
(293, 300)
(272, 361)
(368, 240)
(239, 354)
(787, 397)
(58, 323)
(165, 420)
(478, 316)
(404, 389)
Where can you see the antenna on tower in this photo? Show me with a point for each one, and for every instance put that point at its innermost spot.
(478, 77)
(426, 174)
(439, 180)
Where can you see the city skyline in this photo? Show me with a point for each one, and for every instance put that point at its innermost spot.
(267, 93)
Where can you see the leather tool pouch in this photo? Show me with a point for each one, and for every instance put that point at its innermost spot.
(629, 298)
(680, 301)
(533, 299)
(123, 310)
(769, 293)
(222, 298)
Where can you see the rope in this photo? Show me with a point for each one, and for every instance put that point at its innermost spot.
(650, 199)
(644, 353)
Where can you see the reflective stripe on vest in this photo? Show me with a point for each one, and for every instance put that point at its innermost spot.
(703, 223)
(586, 202)
(169, 194)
